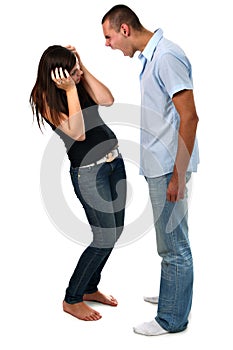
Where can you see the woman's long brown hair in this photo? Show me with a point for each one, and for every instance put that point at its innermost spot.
(45, 93)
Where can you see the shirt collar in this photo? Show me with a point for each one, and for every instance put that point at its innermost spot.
(148, 52)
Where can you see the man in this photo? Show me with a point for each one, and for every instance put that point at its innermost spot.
(169, 154)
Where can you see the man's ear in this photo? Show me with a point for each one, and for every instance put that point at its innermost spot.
(125, 30)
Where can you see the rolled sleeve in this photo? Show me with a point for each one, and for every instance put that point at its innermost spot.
(174, 74)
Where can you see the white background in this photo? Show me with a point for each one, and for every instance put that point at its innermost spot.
(36, 259)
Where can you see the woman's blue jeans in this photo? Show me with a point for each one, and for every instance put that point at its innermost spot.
(101, 190)
(176, 284)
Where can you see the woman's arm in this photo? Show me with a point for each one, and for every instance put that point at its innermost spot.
(97, 90)
(73, 124)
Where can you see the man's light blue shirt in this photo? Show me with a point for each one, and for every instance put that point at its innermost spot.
(166, 71)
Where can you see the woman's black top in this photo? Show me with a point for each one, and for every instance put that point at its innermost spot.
(99, 141)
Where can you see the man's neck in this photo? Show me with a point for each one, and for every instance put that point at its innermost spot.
(143, 38)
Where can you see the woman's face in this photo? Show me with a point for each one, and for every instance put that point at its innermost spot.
(76, 73)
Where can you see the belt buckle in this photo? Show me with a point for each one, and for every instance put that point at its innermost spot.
(110, 157)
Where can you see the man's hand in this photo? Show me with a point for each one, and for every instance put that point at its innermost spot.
(176, 188)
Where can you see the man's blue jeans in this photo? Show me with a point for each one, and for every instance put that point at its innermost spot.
(176, 284)
(102, 191)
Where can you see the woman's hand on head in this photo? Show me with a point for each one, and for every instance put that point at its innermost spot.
(73, 49)
(62, 79)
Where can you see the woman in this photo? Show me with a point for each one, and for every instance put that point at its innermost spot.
(66, 95)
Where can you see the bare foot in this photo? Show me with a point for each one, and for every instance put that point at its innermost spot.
(82, 311)
(101, 298)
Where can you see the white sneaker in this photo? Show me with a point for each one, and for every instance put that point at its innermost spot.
(149, 328)
(152, 300)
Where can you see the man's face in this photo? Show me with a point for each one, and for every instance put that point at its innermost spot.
(117, 40)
